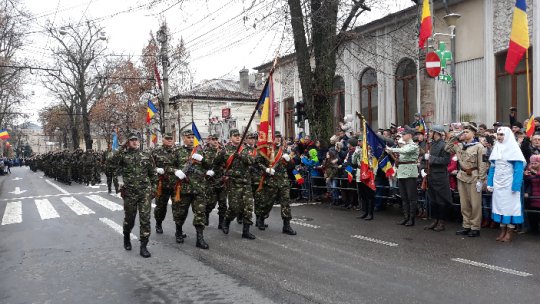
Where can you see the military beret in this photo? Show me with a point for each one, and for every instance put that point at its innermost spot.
(277, 134)
(187, 132)
(132, 136)
(517, 124)
(253, 135)
(168, 135)
(234, 132)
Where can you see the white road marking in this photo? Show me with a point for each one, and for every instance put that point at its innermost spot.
(52, 195)
(492, 267)
(46, 210)
(116, 227)
(18, 191)
(56, 186)
(305, 224)
(13, 213)
(77, 207)
(16, 178)
(105, 203)
(365, 238)
(93, 187)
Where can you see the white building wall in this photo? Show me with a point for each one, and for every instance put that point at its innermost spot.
(470, 88)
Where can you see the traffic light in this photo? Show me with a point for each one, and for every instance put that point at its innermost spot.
(300, 113)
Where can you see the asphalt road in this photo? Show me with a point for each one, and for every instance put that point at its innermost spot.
(60, 244)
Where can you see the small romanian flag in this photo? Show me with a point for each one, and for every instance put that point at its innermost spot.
(529, 129)
(299, 179)
(519, 37)
(153, 138)
(349, 171)
(4, 134)
(387, 167)
(197, 140)
(426, 27)
(151, 110)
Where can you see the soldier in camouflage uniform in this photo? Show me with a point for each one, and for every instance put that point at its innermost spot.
(88, 167)
(98, 167)
(110, 169)
(140, 179)
(216, 193)
(194, 170)
(167, 162)
(239, 192)
(275, 188)
(254, 171)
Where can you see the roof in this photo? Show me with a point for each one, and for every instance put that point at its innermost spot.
(220, 89)
(29, 125)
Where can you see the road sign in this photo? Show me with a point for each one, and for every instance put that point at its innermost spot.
(433, 64)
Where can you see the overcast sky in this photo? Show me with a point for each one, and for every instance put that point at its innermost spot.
(219, 40)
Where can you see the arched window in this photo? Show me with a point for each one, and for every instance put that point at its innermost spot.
(339, 100)
(512, 88)
(369, 97)
(405, 92)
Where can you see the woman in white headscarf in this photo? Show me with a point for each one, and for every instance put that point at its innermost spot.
(505, 178)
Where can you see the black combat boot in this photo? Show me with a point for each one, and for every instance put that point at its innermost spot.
(404, 221)
(246, 234)
(260, 223)
(410, 222)
(365, 210)
(371, 208)
(200, 238)
(207, 219)
(220, 224)
(179, 234)
(240, 219)
(159, 229)
(287, 227)
(127, 242)
(144, 252)
(226, 224)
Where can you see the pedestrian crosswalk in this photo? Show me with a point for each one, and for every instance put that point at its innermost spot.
(13, 212)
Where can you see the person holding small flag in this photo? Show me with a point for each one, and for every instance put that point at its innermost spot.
(407, 173)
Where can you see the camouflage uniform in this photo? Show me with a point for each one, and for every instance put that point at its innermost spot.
(139, 179)
(215, 193)
(88, 167)
(166, 158)
(110, 170)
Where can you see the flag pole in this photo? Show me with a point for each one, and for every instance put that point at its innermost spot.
(528, 85)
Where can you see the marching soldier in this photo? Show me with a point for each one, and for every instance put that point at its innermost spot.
(471, 177)
(239, 192)
(216, 193)
(191, 190)
(275, 188)
(167, 162)
(110, 170)
(139, 179)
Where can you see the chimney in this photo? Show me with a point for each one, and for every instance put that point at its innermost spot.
(244, 80)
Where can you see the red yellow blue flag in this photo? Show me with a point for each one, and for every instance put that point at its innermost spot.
(519, 37)
(151, 110)
(298, 177)
(197, 139)
(265, 143)
(4, 134)
(426, 27)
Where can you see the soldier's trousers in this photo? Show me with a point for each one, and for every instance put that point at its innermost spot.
(217, 196)
(268, 196)
(409, 196)
(240, 197)
(198, 206)
(160, 211)
(471, 205)
(137, 200)
(439, 194)
(111, 179)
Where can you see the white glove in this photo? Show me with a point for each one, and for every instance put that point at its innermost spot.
(286, 157)
(270, 171)
(454, 158)
(489, 188)
(197, 157)
(357, 149)
(160, 171)
(180, 174)
(479, 185)
(210, 173)
(423, 173)
(426, 156)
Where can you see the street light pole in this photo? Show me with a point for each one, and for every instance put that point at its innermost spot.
(162, 37)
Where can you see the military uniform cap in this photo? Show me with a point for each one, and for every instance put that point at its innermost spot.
(437, 128)
(233, 132)
(168, 135)
(353, 141)
(133, 136)
(253, 135)
(214, 136)
(277, 134)
(470, 126)
(187, 132)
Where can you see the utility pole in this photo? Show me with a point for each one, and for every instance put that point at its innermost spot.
(163, 38)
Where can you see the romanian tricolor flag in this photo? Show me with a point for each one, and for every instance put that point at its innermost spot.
(422, 127)
(150, 111)
(349, 171)
(153, 138)
(519, 37)
(529, 129)
(366, 172)
(265, 144)
(299, 179)
(426, 27)
(4, 134)
(197, 139)
(387, 167)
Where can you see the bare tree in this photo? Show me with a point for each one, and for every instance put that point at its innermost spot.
(80, 59)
